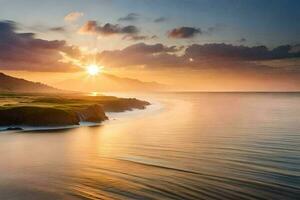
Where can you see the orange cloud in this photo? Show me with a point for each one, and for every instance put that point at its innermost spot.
(73, 16)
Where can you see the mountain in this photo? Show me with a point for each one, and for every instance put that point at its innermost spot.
(109, 83)
(12, 84)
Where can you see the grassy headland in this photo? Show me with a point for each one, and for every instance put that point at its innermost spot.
(50, 110)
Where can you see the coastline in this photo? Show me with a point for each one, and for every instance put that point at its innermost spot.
(64, 112)
(113, 117)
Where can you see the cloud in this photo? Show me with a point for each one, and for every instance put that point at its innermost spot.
(231, 52)
(217, 66)
(42, 28)
(60, 29)
(295, 48)
(22, 51)
(129, 32)
(242, 40)
(135, 37)
(159, 20)
(91, 27)
(141, 54)
(73, 16)
(150, 49)
(184, 32)
(130, 17)
(190, 32)
(217, 57)
(139, 37)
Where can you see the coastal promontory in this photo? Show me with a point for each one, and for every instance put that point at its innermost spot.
(50, 110)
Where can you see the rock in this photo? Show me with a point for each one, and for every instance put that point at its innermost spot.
(37, 116)
(92, 113)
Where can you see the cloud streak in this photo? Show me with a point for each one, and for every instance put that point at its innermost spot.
(160, 19)
(130, 17)
(73, 16)
(59, 29)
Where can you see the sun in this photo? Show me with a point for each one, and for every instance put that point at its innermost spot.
(93, 70)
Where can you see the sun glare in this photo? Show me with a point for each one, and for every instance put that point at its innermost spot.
(93, 70)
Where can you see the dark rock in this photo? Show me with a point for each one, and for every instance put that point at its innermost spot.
(124, 104)
(92, 113)
(45, 116)
(37, 116)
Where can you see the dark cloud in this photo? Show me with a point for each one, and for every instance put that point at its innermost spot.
(160, 19)
(250, 68)
(139, 37)
(242, 40)
(130, 17)
(184, 32)
(231, 52)
(214, 66)
(91, 27)
(129, 32)
(22, 51)
(135, 37)
(58, 29)
(190, 32)
(295, 48)
(216, 57)
(40, 28)
(7, 26)
(151, 49)
(141, 54)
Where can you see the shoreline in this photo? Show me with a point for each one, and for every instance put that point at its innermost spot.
(155, 106)
(112, 116)
(36, 112)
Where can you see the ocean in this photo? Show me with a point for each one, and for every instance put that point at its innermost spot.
(183, 146)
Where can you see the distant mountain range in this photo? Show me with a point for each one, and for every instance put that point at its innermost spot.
(108, 83)
(12, 84)
(101, 83)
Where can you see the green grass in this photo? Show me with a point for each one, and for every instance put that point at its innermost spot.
(37, 109)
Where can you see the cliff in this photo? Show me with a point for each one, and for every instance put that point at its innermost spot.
(31, 110)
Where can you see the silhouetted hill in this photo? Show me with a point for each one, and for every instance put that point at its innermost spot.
(12, 84)
(108, 83)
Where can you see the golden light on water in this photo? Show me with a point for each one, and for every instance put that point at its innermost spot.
(93, 69)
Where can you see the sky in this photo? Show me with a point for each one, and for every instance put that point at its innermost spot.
(187, 44)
